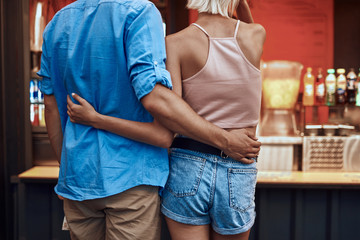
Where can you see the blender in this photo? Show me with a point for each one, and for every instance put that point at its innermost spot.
(280, 89)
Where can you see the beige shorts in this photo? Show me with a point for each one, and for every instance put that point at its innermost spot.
(133, 214)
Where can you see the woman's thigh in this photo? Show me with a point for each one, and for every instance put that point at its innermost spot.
(242, 236)
(181, 231)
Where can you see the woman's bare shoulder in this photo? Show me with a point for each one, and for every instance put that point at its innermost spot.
(254, 28)
(259, 32)
(180, 41)
(254, 31)
(180, 37)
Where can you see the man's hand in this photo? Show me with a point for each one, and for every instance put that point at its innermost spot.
(175, 114)
(242, 146)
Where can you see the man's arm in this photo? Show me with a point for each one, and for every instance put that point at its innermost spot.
(53, 124)
(165, 105)
(175, 114)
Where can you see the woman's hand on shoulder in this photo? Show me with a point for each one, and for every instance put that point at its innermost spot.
(83, 112)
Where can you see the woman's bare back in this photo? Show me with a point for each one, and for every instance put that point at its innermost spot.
(188, 49)
(191, 45)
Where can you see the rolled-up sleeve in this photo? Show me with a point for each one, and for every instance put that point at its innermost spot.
(145, 52)
(46, 86)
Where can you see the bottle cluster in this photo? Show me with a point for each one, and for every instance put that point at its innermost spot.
(334, 88)
(37, 107)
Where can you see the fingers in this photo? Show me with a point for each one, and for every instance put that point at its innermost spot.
(246, 160)
(254, 150)
(252, 136)
(253, 141)
(70, 104)
(248, 136)
(68, 100)
(251, 146)
(252, 155)
(78, 98)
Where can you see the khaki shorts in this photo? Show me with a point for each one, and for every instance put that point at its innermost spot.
(133, 214)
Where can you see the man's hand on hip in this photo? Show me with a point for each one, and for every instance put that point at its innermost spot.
(242, 146)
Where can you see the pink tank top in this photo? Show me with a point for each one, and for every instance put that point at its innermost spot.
(227, 90)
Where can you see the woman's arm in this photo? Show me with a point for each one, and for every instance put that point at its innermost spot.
(243, 12)
(151, 133)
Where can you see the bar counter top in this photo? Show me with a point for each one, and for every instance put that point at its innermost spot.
(41, 172)
(265, 178)
(324, 179)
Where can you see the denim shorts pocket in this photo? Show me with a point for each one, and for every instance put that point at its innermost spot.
(242, 184)
(185, 174)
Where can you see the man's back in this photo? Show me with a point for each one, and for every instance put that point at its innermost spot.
(100, 50)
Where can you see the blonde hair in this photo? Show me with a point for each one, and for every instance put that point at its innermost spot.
(222, 7)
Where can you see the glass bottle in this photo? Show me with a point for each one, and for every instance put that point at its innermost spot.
(330, 83)
(340, 86)
(350, 87)
(320, 88)
(309, 81)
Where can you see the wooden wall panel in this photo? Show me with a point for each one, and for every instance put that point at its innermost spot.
(347, 34)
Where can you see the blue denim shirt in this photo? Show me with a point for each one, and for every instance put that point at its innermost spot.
(112, 53)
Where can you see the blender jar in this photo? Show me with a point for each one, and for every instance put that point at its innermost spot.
(280, 89)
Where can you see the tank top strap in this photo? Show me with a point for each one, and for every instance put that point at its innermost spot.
(236, 28)
(201, 28)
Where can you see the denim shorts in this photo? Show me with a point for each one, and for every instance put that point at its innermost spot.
(207, 189)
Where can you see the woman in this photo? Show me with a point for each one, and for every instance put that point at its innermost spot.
(214, 65)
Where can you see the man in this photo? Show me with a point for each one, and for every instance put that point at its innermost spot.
(112, 53)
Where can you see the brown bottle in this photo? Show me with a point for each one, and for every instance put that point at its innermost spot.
(351, 88)
(320, 88)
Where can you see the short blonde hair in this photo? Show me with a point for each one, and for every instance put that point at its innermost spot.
(222, 7)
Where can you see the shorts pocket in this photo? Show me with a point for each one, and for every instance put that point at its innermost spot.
(185, 174)
(242, 188)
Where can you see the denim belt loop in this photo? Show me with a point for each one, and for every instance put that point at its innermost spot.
(223, 155)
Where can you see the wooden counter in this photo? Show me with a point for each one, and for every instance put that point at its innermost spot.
(324, 179)
(41, 172)
(289, 205)
(264, 177)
